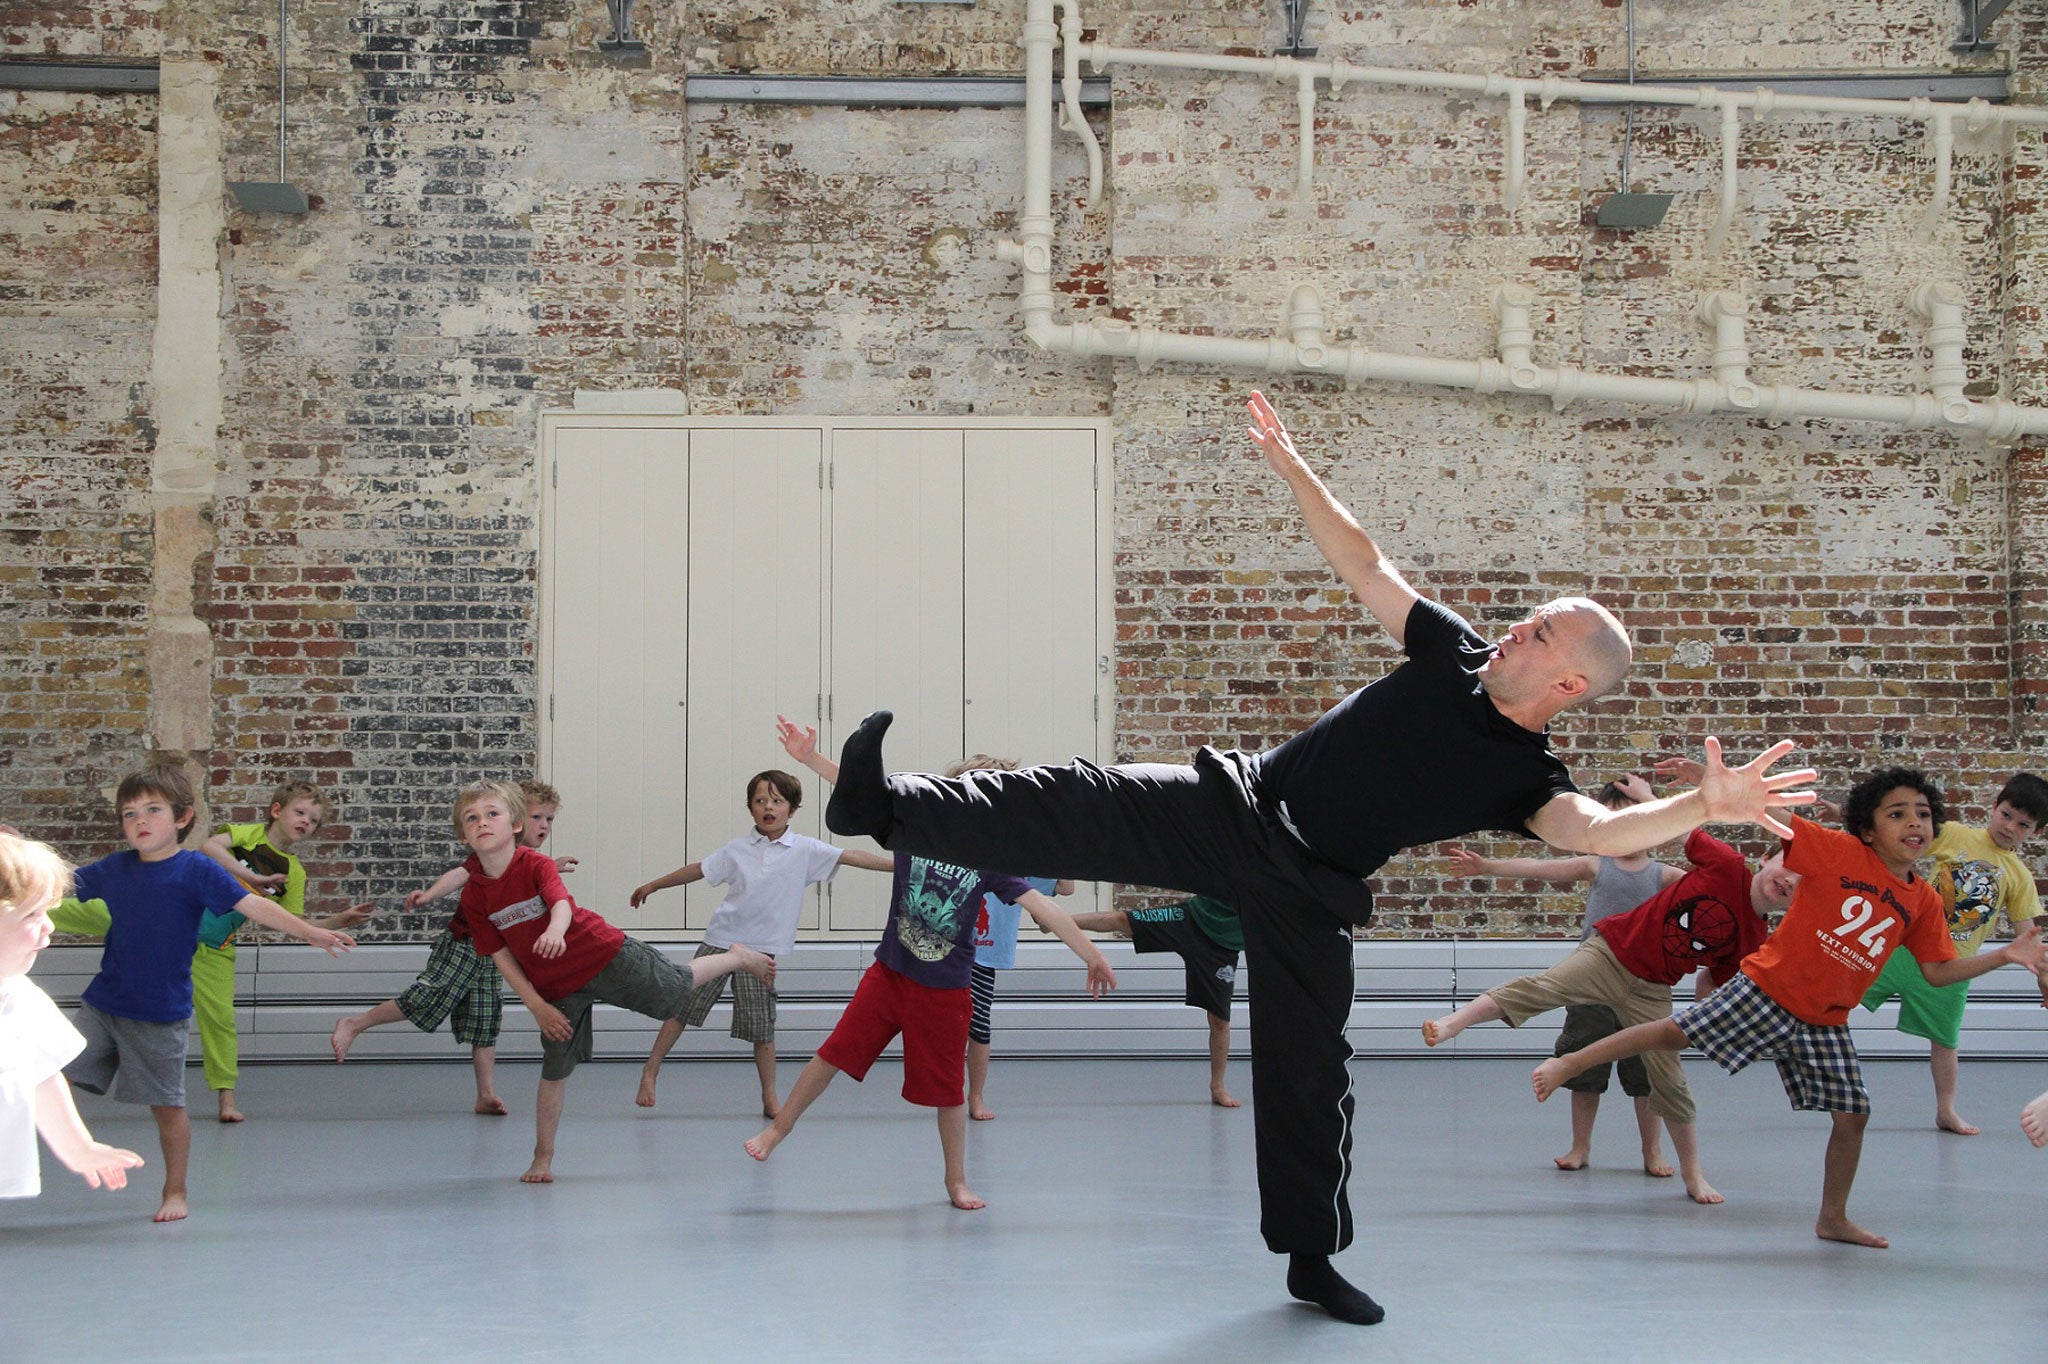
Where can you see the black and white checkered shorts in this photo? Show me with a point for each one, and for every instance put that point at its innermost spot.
(1739, 1023)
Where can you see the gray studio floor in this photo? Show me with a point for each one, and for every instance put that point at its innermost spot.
(364, 1214)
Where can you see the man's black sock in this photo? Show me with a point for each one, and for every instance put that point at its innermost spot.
(860, 801)
(1312, 1278)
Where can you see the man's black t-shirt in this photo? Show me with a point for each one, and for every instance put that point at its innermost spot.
(1417, 756)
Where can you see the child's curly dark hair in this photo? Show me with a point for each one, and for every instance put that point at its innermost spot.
(1859, 812)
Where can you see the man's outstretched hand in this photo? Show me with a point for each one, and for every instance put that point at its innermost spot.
(1750, 793)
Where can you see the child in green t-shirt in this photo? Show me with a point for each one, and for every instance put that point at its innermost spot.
(1207, 935)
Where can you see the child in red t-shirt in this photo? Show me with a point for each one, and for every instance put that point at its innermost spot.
(1858, 899)
(559, 958)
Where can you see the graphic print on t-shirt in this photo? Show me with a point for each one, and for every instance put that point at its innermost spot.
(1864, 925)
(928, 923)
(533, 908)
(1975, 899)
(1699, 927)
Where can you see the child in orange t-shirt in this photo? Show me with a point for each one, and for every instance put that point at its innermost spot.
(1858, 899)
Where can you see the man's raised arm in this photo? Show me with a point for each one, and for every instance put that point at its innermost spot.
(1344, 543)
(1749, 794)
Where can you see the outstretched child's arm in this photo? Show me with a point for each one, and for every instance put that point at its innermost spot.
(554, 1024)
(681, 876)
(554, 939)
(101, 1165)
(801, 742)
(273, 915)
(1061, 925)
(866, 861)
(2026, 950)
(344, 918)
(221, 849)
(450, 881)
(1556, 870)
(87, 918)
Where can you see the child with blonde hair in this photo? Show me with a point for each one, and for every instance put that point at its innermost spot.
(36, 1039)
(457, 984)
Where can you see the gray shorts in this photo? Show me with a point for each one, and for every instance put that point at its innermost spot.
(753, 1002)
(638, 978)
(129, 1060)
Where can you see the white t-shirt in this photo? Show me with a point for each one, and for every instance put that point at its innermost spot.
(35, 1042)
(765, 882)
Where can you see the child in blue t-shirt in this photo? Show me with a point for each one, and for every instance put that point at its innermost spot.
(918, 987)
(136, 1014)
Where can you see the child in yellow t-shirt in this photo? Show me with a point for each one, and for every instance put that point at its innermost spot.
(1979, 876)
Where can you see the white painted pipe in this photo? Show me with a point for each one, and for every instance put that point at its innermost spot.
(1071, 117)
(1546, 88)
(1731, 143)
(1518, 132)
(1305, 104)
(1941, 134)
(1940, 306)
(1727, 313)
(1306, 349)
(1514, 308)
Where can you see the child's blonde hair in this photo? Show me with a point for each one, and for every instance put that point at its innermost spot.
(981, 762)
(538, 792)
(32, 876)
(515, 802)
(290, 791)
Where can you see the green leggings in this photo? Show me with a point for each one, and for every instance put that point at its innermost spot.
(213, 989)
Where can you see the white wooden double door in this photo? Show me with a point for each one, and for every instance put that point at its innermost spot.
(701, 576)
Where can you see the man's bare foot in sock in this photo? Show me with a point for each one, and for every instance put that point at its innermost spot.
(542, 1171)
(1842, 1229)
(346, 1031)
(228, 1111)
(174, 1208)
(491, 1106)
(1699, 1191)
(1550, 1077)
(2034, 1120)
(645, 1098)
(1574, 1159)
(964, 1198)
(1952, 1121)
(763, 1143)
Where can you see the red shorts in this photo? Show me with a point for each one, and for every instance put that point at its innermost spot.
(934, 1028)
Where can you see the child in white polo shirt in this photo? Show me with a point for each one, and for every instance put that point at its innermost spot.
(766, 872)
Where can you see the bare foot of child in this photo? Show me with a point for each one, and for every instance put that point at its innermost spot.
(345, 1034)
(228, 1111)
(755, 964)
(2034, 1120)
(1701, 1192)
(1220, 1096)
(1574, 1159)
(174, 1208)
(1842, 1229)
(762, 1143)
(1951, 1121)
(771, 1107)
(490, 1105)
(645, 1098)
(980, 1111)
(964, 1198)
(1655, 1167)
(542, 1171)
(1549, 1076)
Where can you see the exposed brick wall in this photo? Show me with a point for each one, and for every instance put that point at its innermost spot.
(503, 217)
(77, 302)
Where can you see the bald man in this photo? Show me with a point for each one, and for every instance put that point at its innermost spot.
(1450, 742)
